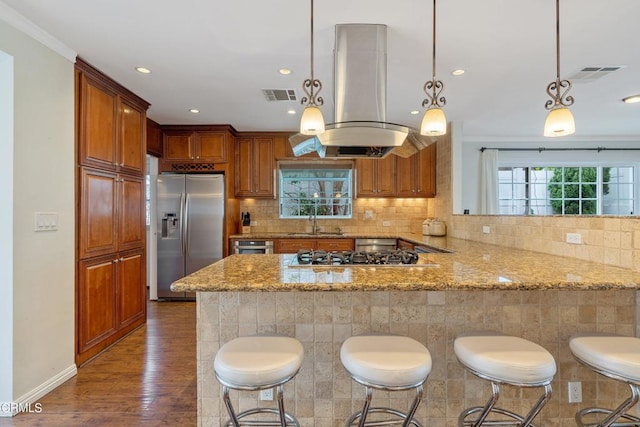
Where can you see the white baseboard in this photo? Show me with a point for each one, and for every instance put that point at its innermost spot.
(29, 401)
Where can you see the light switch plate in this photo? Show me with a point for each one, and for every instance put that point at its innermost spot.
(46, 221)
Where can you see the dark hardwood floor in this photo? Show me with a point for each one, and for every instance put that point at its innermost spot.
(147, 379)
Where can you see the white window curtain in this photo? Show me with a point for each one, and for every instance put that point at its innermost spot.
(489, 182)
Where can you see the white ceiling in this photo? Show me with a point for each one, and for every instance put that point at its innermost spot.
(218, 56)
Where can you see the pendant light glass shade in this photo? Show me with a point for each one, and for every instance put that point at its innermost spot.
(311, 122)
(434, 122)
(559, 122)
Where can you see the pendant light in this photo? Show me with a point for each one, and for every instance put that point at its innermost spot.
(312, 122)
(434, 122)
(559, 121)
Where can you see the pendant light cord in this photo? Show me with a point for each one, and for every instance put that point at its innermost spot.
(557, 39)
(312, 41)
(433, 74)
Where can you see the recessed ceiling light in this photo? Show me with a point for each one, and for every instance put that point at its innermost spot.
(292, 112)
(414, 112)
(631, 99)
(284, 71)
(143, 70)
(457, 72)
(194, 110)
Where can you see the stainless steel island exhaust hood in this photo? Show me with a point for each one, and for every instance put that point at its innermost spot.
(360, 91)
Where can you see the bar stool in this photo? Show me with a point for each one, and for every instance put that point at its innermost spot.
(616, 357)
(258, 363)
(504, 359)
(386, 362)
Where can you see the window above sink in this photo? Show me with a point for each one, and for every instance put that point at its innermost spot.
(312, 190)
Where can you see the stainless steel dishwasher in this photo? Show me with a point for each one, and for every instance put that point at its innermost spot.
(375, 245)
(253, 246)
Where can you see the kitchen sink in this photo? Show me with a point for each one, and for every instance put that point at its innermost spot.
(319, 233)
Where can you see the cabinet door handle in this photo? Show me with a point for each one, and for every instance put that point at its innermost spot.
(121, 258)
(197, 157)
(115, 261)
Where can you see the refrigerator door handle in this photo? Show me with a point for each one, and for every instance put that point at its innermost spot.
(185, 221)
(182, 223)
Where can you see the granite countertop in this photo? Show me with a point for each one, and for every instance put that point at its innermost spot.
(472, 265)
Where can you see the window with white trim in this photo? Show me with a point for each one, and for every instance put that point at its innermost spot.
(307, 190)
(567, 190)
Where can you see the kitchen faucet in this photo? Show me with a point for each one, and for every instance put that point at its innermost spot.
(314, 217)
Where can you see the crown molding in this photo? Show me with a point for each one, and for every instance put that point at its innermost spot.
(18, 21)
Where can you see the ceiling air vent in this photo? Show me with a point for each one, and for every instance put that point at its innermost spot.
(589, 74)
(280, 94)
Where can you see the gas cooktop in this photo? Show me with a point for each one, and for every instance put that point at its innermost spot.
(388, 258)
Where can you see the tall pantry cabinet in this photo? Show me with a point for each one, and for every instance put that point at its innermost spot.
(111, 291)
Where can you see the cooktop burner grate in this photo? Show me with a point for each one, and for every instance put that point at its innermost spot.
(320, 257)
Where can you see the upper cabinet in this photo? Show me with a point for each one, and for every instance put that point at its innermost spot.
(376, 177)
(154, 138)
(111, 129)
(195, 146)
(417, 174)
(395, 176)
(255, 166)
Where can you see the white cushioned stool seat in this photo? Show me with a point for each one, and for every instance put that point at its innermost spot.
(505, 358)
(386, 360)
(617, 355)
(258, 360)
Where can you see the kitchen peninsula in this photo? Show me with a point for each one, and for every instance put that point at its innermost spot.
(477, 287)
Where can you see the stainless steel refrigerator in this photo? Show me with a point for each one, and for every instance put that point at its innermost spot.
(190, 220)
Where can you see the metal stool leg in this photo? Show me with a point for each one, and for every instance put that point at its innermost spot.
(283, 420)
(489, 408)
(414, 407)
(614, 415)
(538, 406)
(227, 402)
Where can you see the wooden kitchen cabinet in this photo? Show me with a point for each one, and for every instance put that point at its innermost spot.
(154, 139)
(132, 298)
(417, 174)
(396, 176)
(405, 245)
(293, 245)
(195, 146)
(111, 302)
(255, 167)
(376, 177)
(112, 216)
(110, 211)
(111, 128)
(96, 297)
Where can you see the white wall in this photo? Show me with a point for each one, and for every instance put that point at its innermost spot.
(470, 170)
(43, 166)
(6, 228)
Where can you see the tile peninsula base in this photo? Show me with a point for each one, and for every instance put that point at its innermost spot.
(323, 395)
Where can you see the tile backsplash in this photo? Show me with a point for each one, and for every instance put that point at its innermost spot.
(380, 215)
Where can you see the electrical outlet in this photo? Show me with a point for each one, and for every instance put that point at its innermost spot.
(386, 223)
(575, 392)
(266, 394)
(368, 214)
(486, 229)
(254, 223)
(574, 238)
